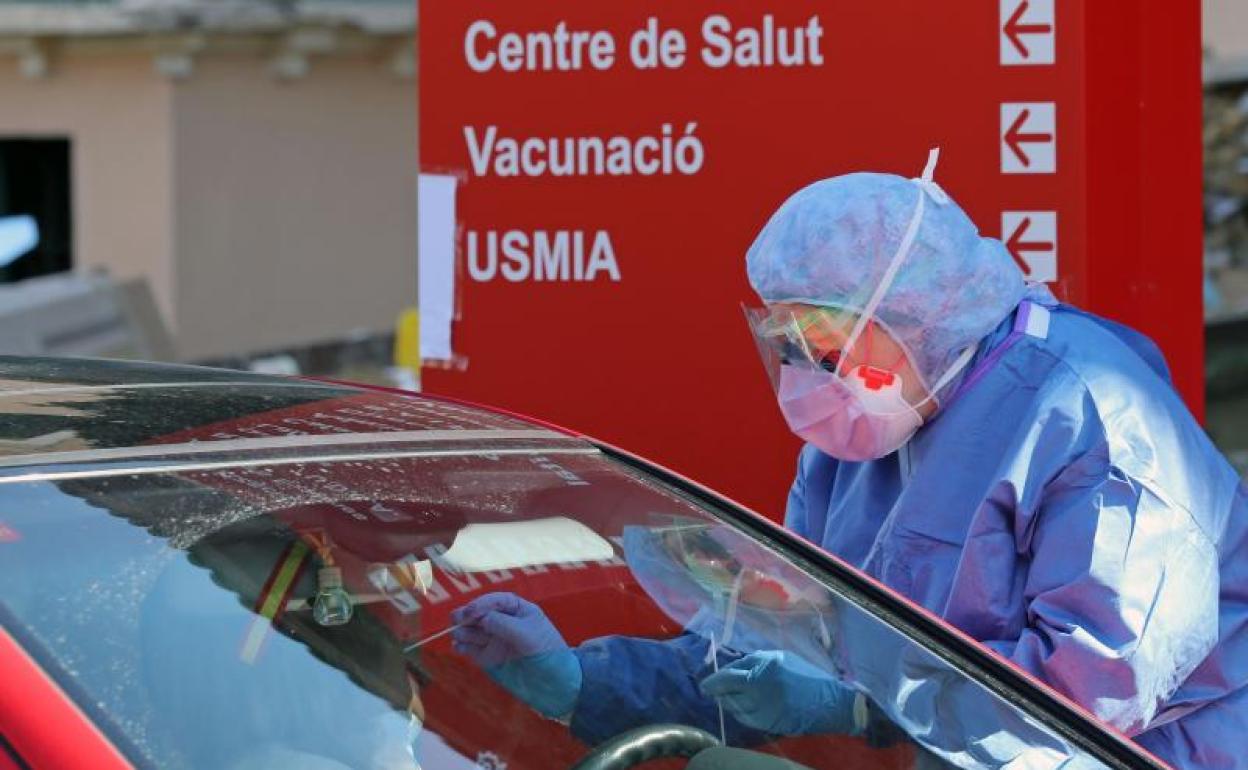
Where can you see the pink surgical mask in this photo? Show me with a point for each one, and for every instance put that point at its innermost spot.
(844, 416)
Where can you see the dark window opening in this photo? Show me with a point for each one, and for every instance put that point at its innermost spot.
(35, 180)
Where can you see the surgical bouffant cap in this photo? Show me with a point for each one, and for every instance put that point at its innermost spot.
(831, 244)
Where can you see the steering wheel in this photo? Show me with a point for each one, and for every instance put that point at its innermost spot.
(646, 743)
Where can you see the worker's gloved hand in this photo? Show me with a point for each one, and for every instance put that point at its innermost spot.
(520, 649)
(778, 692)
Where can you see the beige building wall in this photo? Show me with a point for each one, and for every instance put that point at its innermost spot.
(1226, 28)
(295, 202)
(115, 110)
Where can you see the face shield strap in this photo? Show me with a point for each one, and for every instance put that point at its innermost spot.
(926, 182)
(927, 187)
(958, 365)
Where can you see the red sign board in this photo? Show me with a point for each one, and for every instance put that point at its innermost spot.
(616, 160)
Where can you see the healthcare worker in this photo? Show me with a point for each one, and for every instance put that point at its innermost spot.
(1020, 467)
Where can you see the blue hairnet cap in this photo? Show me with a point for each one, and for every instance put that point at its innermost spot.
(831, 243)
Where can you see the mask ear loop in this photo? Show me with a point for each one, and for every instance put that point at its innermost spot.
(926, 187)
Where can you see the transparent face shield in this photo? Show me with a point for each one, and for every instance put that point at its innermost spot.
(850, 349)
(819, 340)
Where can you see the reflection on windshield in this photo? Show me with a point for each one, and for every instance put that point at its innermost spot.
(490, 611)
(750, 602)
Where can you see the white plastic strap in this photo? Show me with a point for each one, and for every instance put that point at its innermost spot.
(958, 364)
(903, 249)
(929, 171)
(927, 181)
(926, 185)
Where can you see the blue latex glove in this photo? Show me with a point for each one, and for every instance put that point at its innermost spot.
(519, 648)
(780, 693)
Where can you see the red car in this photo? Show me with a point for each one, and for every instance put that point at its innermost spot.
(212, 569)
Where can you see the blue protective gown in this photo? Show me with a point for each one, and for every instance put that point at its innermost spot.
(1067, 511)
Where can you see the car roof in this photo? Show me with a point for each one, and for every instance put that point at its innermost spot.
(95, 411)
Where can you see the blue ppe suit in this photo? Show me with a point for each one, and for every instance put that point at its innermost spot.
(1067, 511)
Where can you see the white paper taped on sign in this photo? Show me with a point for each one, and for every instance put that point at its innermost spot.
(436, 271)
(515, 544)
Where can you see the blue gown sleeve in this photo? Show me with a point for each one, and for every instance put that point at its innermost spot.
(629, 682)
(1121, 600)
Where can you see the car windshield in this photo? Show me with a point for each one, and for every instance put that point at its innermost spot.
(279, 613)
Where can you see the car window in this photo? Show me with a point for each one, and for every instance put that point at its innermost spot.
(200, 615)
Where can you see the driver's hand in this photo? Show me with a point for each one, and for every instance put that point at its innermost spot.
(518, 646)
(779, 692)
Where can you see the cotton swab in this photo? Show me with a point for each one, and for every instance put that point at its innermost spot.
(432, 637)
